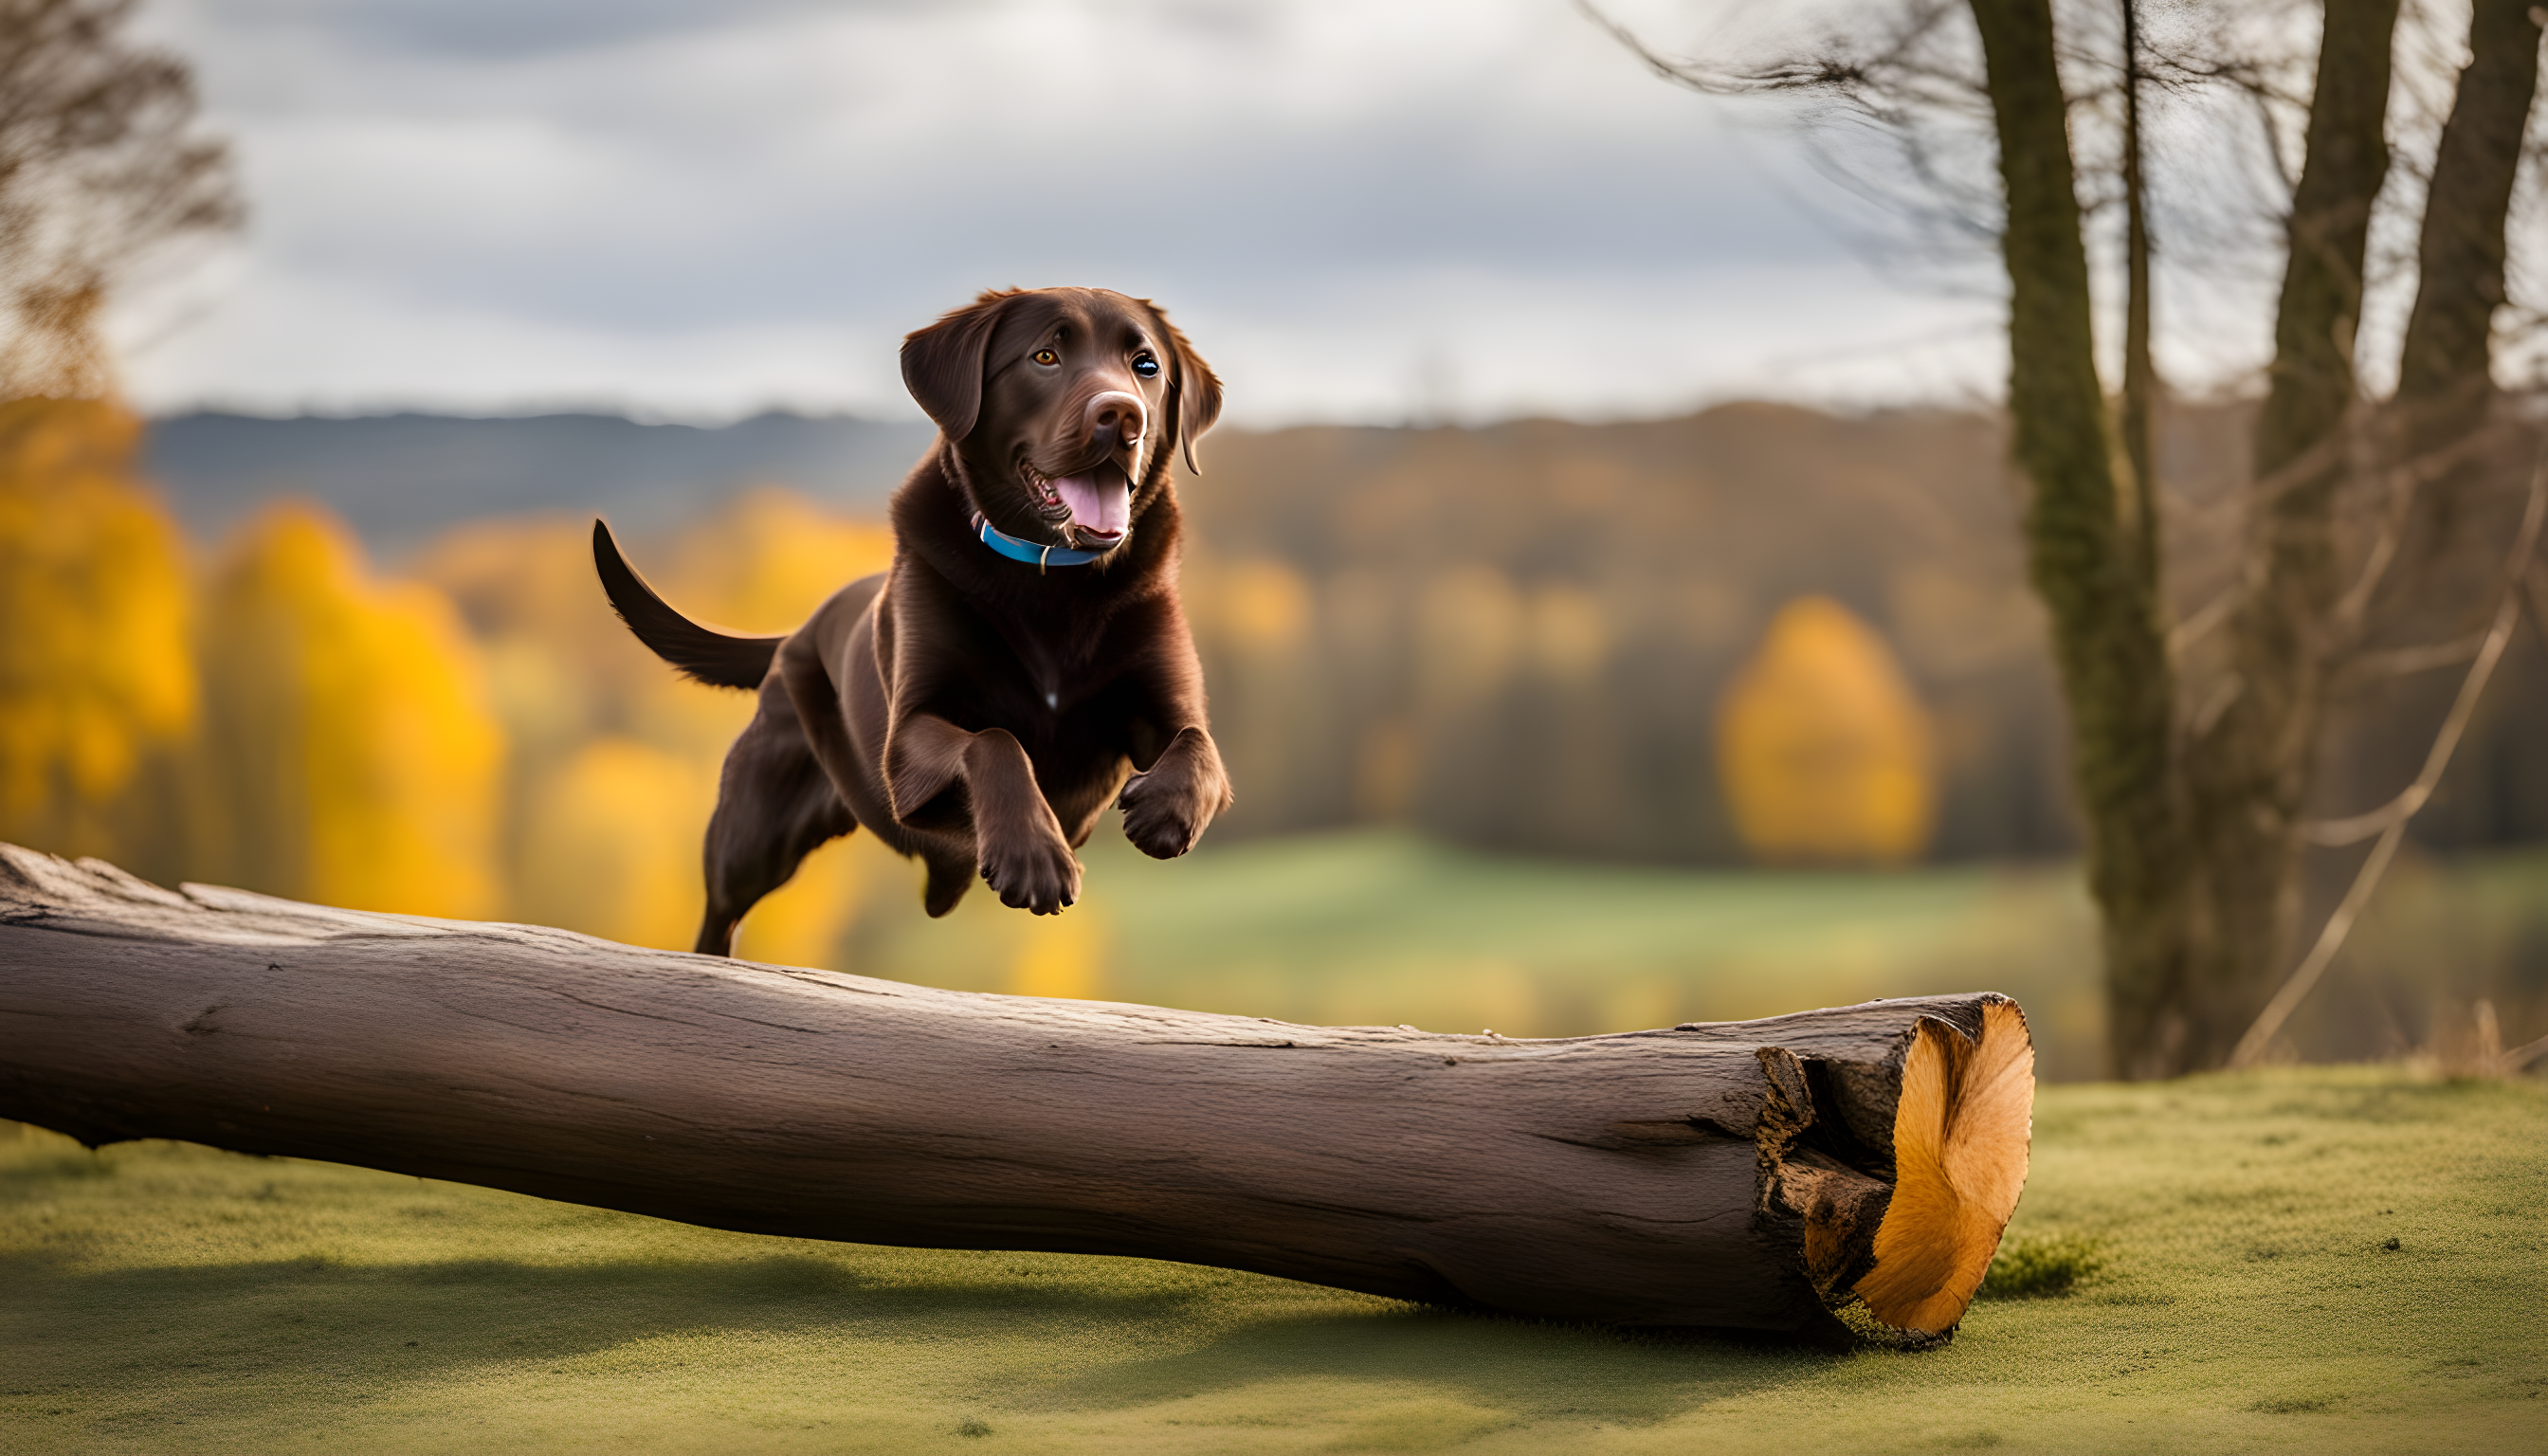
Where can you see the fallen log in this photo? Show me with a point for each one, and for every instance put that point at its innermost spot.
(1751, 1174)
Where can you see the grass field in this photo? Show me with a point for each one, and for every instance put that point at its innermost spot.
(2331, 1260)
(1377, 928)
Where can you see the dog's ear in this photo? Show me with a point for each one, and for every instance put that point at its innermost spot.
(1198, 387)
(942, 365)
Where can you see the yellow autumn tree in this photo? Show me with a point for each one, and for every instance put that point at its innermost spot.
(763, 563)
(95, 671)
(1061, 956)
(1823, 748)
(1259, 607)
(610, 844)
(616, 756)
(767, 560)
(350, 755)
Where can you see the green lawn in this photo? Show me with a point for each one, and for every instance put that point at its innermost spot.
(1375, 927)
(166, 1297)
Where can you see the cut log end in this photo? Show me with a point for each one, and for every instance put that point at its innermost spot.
(1960, 1134)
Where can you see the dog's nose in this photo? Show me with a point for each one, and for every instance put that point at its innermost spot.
(1115, 418)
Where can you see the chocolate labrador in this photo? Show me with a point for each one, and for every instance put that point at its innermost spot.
(1022, 665)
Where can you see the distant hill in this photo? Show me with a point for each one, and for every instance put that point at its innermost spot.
(401, 478)
(1539, 618)
(1513, 635)
(1517, 635)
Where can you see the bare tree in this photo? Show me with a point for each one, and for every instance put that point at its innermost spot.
(2446, 380)
(2140, 371)
(2083, 553)
(2443, 454)
(2250, 762)
(100, 170)
(2197, 742)
(2460, 272)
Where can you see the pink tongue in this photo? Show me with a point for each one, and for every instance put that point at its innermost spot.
(1100, 505)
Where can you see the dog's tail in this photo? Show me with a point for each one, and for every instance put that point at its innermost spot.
(702, 653)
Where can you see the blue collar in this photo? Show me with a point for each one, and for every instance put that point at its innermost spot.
(1027, 551)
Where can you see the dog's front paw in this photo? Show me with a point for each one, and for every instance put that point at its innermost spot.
(1159, 816)
(1031, 872)
(1165, 810)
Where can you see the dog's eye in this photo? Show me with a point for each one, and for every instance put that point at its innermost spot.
(1046, 356)
(1145, 366)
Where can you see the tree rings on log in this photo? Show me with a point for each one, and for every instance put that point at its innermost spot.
(1912, 1247)
(1762, 1175)
(1961, 1136)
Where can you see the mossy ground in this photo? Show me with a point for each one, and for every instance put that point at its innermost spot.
(165, 1297)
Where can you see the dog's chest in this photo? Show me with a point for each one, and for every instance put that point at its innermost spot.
(1058, 666)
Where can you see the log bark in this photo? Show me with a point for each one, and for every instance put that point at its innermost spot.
(1758, 1175)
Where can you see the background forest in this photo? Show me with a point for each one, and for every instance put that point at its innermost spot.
(1760, 636)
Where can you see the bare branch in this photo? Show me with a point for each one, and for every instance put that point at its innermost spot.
(99, 171)
(2201, 622)
(2521, 1057)
(2390, 821)
(2402, 662)
(1909, 82)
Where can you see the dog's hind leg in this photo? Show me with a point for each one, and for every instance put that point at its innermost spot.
(948, 879)
(775, 806)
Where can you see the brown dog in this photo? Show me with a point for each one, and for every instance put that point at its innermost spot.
(981, 702)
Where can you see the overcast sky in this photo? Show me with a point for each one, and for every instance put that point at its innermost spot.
(1360, 208)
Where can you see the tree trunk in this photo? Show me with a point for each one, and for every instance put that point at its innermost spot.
(2446, 380)
(1757, 1174)
(2105, 630)
(2250, 771)
(2141, 373)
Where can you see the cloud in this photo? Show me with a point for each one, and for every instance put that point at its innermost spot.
(697, 207)
(492, 28)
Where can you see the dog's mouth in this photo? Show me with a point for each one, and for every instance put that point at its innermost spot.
(1095, 507)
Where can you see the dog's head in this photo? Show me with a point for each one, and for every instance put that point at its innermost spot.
(1063, 405)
